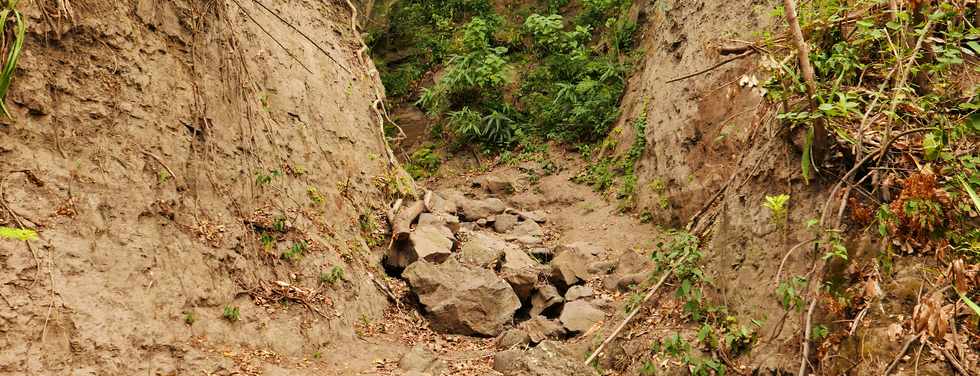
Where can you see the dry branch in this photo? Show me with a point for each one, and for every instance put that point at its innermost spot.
(629, 317)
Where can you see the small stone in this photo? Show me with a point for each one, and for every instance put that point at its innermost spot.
(504, 222)
(513, 338)
(570, 266)
(496, 185)
(578, 292)
(579, 316)
(482, 222)
(439, 204)
(520, 271)
(421, 360)
(473, 210)
(440, 222)
(545, 297)
(527, 232)
(482, 250)
(602, 267)
(540, 328)
(630, 280)
(508, 361)
(425, 242)
(532, 216)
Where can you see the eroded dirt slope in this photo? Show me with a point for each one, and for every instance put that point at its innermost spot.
(181, 158)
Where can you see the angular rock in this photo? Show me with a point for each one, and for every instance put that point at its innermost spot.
(578, 292)
(527, 232)
(445, 223)
(570, 266)
(540, 328)
(536, 216)
(631, 262)
(602, 267)
(473, 210)
(579, 316)
(463, 300)
(496, 185)
(482, 250)
(545, 297)
(504, 222)
(545, 359)
(425, 242)
(508, 362)
(421, 361)
(440, 204)
(513, 338)
(628, 281)
(520, 271)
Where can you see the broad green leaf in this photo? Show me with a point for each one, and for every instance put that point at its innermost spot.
(805, 162)
(972, 193)
(970, 303)
(931, 145)
(17, 234)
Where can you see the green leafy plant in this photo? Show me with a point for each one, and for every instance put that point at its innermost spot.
(295, 252)
(189, 318)
(314, 194)
(21, 234)
(425, 161)
(335, 275)
(789, 293)
(264, 178)
(777, 205)
(231, 313)
(13, 48)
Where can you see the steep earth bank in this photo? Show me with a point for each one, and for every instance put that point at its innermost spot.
(201, 174)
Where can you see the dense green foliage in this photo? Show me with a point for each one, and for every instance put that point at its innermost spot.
(897, 77)
(502, 80)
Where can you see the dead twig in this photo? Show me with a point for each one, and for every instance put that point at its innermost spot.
(806, 337)
(857, 321)
(288, 52)
(629, 317)
(901, 353)
(713, 67)
(160, 161)
(315, 44)
(903, 77)
(779, 272)
(952, 360)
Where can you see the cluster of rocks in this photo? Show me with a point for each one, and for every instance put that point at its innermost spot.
(481, 268)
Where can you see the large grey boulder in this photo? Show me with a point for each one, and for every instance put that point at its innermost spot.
(426, 242)
(545, 359)
(473, 210)
(461, 299)
(580, 315)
